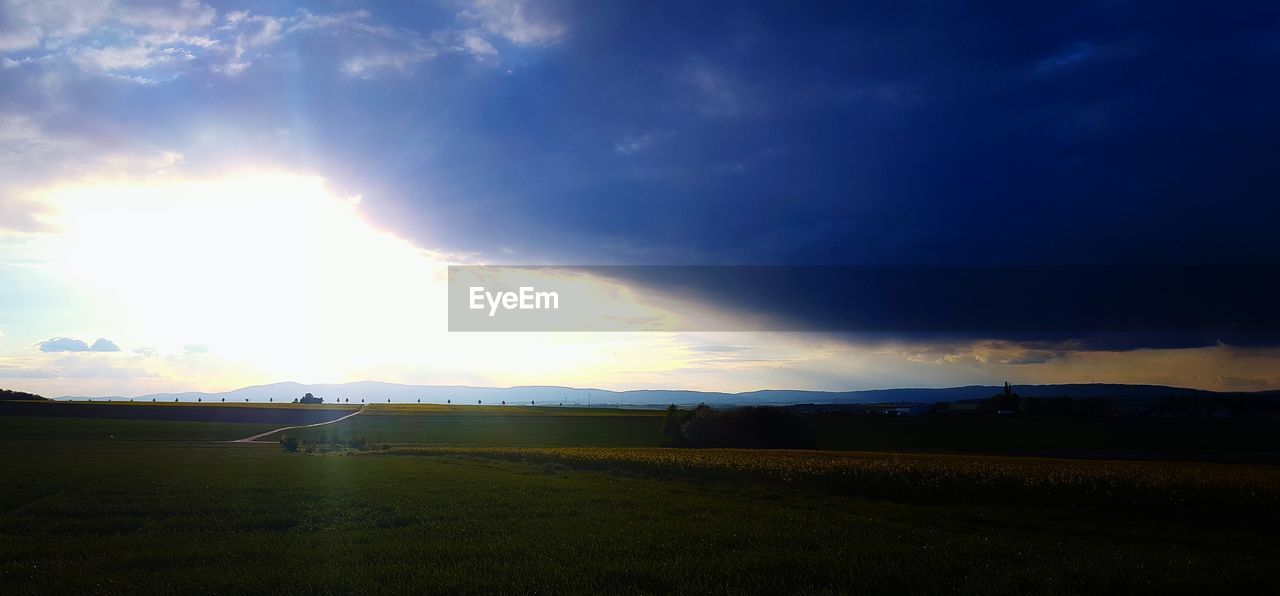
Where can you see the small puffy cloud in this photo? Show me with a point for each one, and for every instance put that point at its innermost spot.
(519, 21)
(354, 20)
(367, 64)
(258, 31)
(165, 14)
(116, 58)
(478, 46)
(103, 344)
(718, 93)
(630, 145)
(71, 344)
(25, 24)
(195, 348)
(1079, 52)
(146, 352)
(63, 344)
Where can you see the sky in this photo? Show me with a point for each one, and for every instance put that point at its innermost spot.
(202, 195)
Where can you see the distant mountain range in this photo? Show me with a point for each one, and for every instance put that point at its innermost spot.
(374, 391)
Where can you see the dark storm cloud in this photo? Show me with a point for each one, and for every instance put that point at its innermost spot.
(869, 133)
(915, 132)
(1046, 309)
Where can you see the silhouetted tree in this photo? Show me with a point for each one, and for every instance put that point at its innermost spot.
(1006, 400)
(750, 427)
(671, 436)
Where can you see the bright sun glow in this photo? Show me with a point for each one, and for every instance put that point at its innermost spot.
(264, 267)
(281, 278)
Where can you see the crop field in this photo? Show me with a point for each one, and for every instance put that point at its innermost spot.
(110, 429)
(481, 499)
(1107, 438)
(279, 414)
(400, 409)
(140, 517)
(1252, 491)
(471, 425)
(1071, 436)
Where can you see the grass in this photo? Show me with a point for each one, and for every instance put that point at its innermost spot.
(503, 410)
(1107, 437)
(1244, 492)
(164, 515)
(509, 426)
(43, 428)
(210, 404)
(132, 517)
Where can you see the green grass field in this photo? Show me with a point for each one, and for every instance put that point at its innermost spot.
(213, 518)
(527, 500)
(480, 425)
(1142, 438)
(1071, 436)
(98, 429)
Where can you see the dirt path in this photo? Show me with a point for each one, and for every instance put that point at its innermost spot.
(255, 438)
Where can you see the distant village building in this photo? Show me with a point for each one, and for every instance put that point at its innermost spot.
(907, 409)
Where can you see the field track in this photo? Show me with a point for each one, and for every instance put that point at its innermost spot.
(254, 438)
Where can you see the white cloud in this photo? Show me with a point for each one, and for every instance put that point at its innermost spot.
(630, 145)
(20, 38)
(165, 15)
(355, 20)
(30, 154)
(126, 39)
(478, 46)
(28, 23)
(368, 64)
(516, 20)
(254, 33)
(258, 31)
(717, 93)
(111, 59)
(178, 39)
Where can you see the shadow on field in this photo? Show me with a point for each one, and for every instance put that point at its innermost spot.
(1222, 495)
